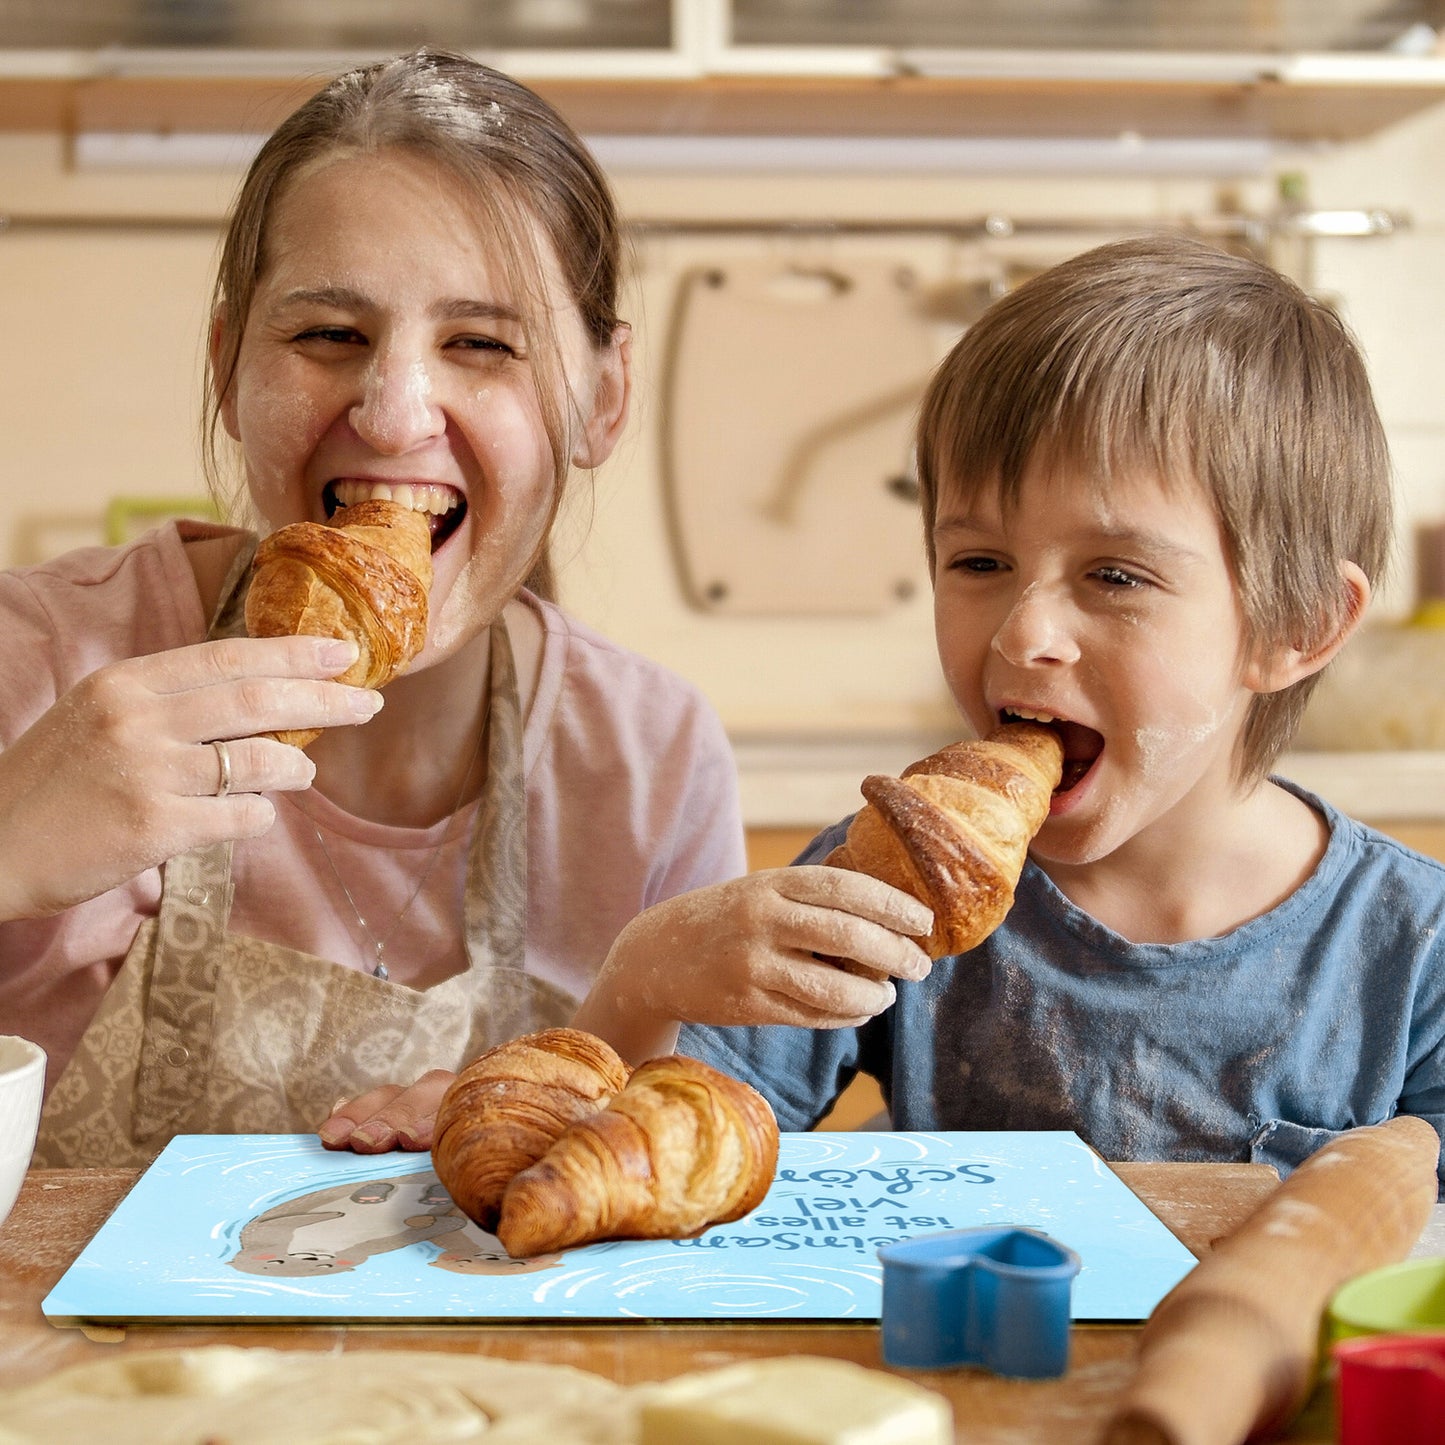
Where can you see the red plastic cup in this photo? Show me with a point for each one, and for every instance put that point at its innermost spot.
(1390, 1389)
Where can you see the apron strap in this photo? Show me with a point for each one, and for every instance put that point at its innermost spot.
(496, 891)
(176, 1043)
(229, 618)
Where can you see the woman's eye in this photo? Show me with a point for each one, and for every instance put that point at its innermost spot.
(339, 335)
(1118, 577)
(486, 346)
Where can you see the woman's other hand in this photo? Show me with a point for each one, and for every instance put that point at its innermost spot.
(394, 1116)
(124, 770)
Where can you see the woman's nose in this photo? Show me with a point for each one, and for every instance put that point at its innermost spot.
(396, 410)
(1036, 630)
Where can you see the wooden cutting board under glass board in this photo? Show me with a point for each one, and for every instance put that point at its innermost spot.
(790, 398)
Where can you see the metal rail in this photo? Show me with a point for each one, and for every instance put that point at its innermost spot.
(1223, 226)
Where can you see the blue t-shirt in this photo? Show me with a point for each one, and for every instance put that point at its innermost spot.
(1326, 1013)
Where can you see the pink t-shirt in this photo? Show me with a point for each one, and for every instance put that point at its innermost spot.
(631, 798)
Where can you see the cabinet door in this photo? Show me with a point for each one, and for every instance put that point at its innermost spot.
(790, 394)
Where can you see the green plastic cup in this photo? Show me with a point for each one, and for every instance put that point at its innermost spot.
(1400, 1299)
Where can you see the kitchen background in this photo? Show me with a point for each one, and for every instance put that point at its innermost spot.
(823, 192)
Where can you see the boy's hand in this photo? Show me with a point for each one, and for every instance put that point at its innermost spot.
(394, 1116)
(812, 946)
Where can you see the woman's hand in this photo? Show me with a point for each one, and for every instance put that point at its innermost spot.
(120, 774)
(813, 946)
(394, 1116)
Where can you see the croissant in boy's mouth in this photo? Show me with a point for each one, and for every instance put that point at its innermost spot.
(955, 829)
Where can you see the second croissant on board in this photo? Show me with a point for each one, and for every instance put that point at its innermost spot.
(365, 575)
(548, 1142)
(955, 829)
(682, 1147)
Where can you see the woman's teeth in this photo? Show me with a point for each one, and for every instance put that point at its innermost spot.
(419, 497)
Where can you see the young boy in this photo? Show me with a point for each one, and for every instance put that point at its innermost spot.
(1156, 496)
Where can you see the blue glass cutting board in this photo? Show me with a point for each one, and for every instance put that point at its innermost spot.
(274, 1228)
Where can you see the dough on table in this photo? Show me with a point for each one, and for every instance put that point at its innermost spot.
(792, 1400)
(227, 1395)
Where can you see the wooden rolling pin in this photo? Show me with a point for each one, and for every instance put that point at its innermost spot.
(1229, 1354)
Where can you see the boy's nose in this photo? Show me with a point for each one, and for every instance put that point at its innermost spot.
(1036, 632)
(396, 410)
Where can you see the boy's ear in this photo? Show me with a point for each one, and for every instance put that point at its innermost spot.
(611, 396)
(228, 402)
(1277, 668)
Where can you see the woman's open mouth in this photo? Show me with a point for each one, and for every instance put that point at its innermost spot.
(1082, 745)
(444, 506)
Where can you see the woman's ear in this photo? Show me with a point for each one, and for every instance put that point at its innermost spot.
(214, 349)
(611, 396)
(1277, 668)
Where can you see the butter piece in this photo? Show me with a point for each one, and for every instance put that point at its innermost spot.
(793, 1400)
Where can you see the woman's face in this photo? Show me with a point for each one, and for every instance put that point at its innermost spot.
(385, 356)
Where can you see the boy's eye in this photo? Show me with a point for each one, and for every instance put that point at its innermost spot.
(975, 564)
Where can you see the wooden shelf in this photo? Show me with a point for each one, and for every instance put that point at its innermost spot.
(991, 107)
(1279, 108)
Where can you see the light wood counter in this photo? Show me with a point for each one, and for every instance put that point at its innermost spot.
(59, 1210)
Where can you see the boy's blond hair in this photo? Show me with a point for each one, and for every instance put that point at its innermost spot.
(1166, 357)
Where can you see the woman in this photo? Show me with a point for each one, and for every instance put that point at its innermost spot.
(210, 930)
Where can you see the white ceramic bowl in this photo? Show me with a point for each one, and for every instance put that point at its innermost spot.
(22, 1082)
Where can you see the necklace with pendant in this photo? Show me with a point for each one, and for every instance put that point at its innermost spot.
(378, 943)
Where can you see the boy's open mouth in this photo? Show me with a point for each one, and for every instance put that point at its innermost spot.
(1082, 745)
(444, 506)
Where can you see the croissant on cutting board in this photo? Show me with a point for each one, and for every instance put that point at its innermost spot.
(364, 575)
(663, 1154)
(683, 1146)
(955, 829)
(510, 1105)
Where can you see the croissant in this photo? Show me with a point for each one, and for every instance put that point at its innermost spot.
(364, 575)
(682, 1147)
(955, 829)
(508, 1107)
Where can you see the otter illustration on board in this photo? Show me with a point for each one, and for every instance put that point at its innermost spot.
(339, 1228)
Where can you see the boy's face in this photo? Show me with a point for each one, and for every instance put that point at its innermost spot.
(1113, 609)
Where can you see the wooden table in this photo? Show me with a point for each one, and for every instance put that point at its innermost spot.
(60, 1210)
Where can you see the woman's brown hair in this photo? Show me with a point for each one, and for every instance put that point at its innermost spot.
(519, 160)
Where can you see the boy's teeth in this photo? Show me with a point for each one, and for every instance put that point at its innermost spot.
(1027, 716)
(422, 497)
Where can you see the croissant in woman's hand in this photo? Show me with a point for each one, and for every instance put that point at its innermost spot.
(365, 575)
(682, 1147)
(510, 1105)
(955, 829)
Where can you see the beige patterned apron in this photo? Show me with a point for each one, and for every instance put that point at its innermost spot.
(209, 1032)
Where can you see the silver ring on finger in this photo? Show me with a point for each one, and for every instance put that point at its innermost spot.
(223, 758)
